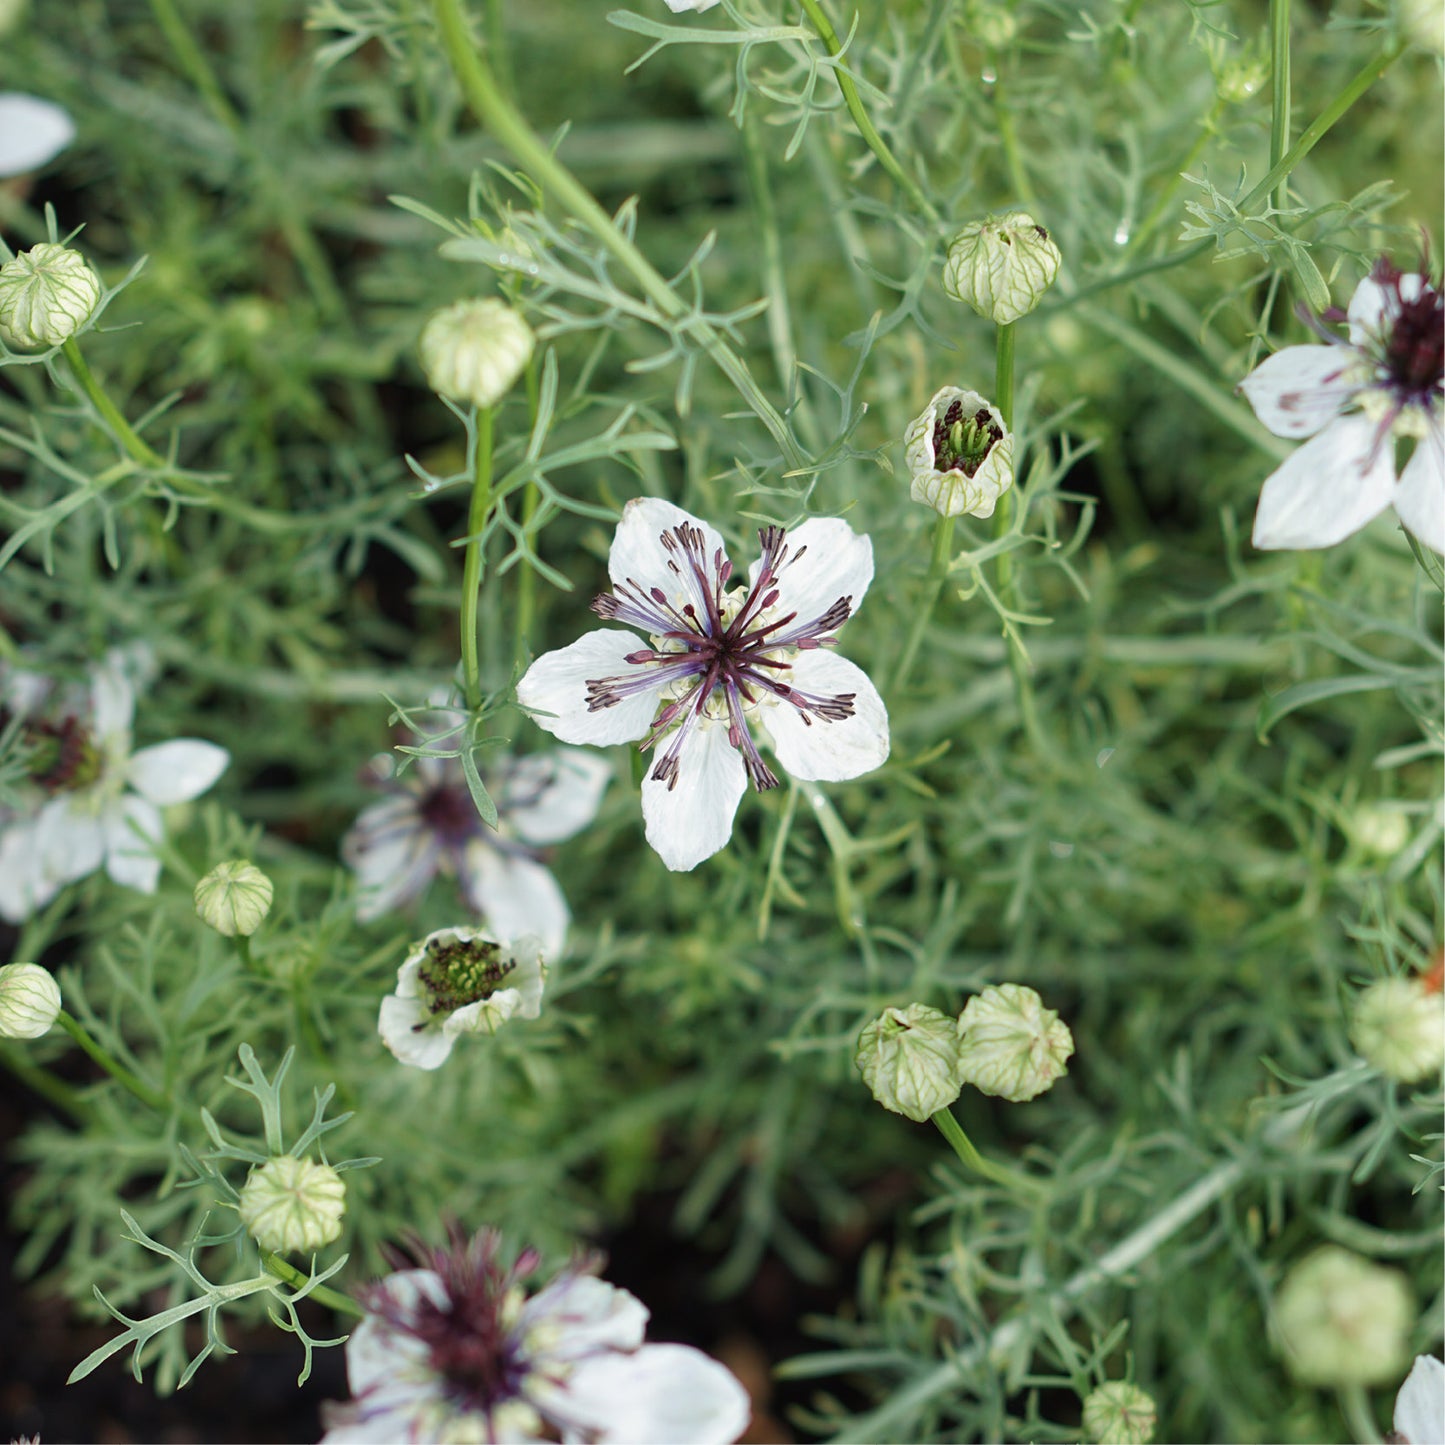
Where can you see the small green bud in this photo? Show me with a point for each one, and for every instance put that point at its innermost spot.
(1119, 1413)
(29, 1001)
(46, 295)
(1379, 829)
(959, 454)
(472, 351)
(1343, 1320)
(1398, 1025)
(909, 1059)
(1001, 266)
(1241, 77)
(293, 1205)
(989, 24)
(1010, 1044)
(233, 898)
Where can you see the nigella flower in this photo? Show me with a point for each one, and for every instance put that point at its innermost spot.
(456, 1350)
(102, 801)
(959, 453)
(1355, 398)
(719, 661)
(428, 825)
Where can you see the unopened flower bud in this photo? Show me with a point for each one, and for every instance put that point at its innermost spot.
(989, 24)
(959, 454)
(472, 351)
(909, 1059)
(1398, 1025)
(1379, 829)
(234, 897)
(1001, 266)
(46, 295)
(1242, 76)
(1010, 1044)
(1343, 1320)
(1119, 1413)
(29, 1001)
(293, 1205)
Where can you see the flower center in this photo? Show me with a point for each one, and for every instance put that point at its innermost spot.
(456, 973)
(63, 756)
(1414, 351)
(962, 444)
(450, 814)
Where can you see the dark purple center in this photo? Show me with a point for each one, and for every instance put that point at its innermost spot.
(1414, 345)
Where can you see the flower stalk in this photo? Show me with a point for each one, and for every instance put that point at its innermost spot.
(472, 564)
(969, 1156)
(1279, 95)
(322, 1294)
(148, 1096)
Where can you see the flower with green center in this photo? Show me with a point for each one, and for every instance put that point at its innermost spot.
(959, 453)
(292, 1206)
(1010, 1044)
(233, 898)
(29, 1001)
(472, 351)
(458, 981)
(909, 1059)
(1118, 1413)
(1398, 1025)
(1001, 266)
(46, 295)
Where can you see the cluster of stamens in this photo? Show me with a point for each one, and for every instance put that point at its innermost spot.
(62, 756)
(1412, 352)
(456, 973)
(963, 445)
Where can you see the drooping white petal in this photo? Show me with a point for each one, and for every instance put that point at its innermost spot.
(693, 819)
(112, 697)
(556, 684)
(1298, 390)
(827, 560)
(1372, 307)
(659, 1395)
(550, 796)
(516, 896)
(1420, 495)
(69, 840)
(638, 554)
(32, 133)
(1420, 1405)
(178, 771)
(128, 858)
(408, 1031)
(1329, 488)
(824, 751)
(578, 1314)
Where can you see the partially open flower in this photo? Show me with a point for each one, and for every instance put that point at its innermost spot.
(909, 1059)
(233, 898)
(959, 453)
(1420, 1405)
(1010, 1044)
(472, 351)
(458, 981)
(1118, 1413)
(46, 295)
(292, 1206)
(1001, 266)
(1398, 1025)
(29, 1001)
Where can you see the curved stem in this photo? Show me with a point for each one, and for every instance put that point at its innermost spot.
(952, 1130)
(472, 565)
(342, 1303)
(126, 434)
(122, 1075)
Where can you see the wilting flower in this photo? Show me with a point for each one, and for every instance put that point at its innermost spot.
(1420, 1405)
(290, 1205)
(458, 981)
(719, 661)
(472, 351)
(46, 295)
(458, 1351)
(1355, 398)
(32, 133)
(104, 801)
(959, 453)
(429, 824)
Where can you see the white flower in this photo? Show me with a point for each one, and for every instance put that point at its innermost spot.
(32, 133)
(1420, 1405)
(719, 661)
(452, 983)
(458, 1352)
(1354, 398)
(105, 800)
(429, 824)
(678, 6)
(959, 454)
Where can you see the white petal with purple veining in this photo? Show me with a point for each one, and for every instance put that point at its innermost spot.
(637, 551)
(1420, 495)
(694, 819)
(823, 751)
(1373, 306)
(177, 771)
(557, 684)
(579, 1314)
(548, 797)
(394, 859)
(1300, 389)
(827, 560)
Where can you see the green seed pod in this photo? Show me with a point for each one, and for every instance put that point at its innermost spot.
(909, 1059)
(1119, 1413)
(472, 351)
(1001, 266)
(293, 1205)
(1010, 1044)
(46, 295)
(1398, 1025)
(29, 1001)
(233, 898)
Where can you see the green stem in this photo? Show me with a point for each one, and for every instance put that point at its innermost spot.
(472, 566)
(1279, 99)
(1003, 373)
(866, 128)
(531, 498)
(496, 112)
(341, 1303)
(937, 573)
(124, 432)
(107, 1061)
(952, 1130)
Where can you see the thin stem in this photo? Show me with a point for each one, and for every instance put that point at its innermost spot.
(937, 573)
(125, 433)
(107, 1061)
(472, 566)
(1279, 99)
(866, 128)
(952, 1130)
(1003, 373)
(531, 497)
(342, 1303)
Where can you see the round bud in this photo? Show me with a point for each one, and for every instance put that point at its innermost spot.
(989, 24)
(292, 1205)
(1343, 1320)
(1010, 1044)
(909, 1059)
(1001, 266)
(46, 295)
(1379, 829)
(1398, 1025)
(1119, 1413)
(959, 454)
(472, 351)
(1242, 76)
(29, 1001)
(233, 898)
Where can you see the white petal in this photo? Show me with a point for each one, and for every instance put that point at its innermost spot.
(678, 6)
(1420, 497)
(516, 896)
(69, 841)
(660, 1395)
(1420, 1405)
(1326, 491)
(695, 818)
(422, 1048)
(637, 551)
(1298, 390)
(376, 1355)
(829, 752)
(393, 855)
(1373, 306)
(550, 796)
(112, 698)
(580, 1314)
(32, 133)
(557, 684)
(826, 560)
(127, 858)
(24, 888)
(178, 771)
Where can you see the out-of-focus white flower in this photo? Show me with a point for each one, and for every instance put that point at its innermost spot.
(1010, 1044)
(291, 1205)
(46, 295)
(718, 662)
(472, 351)
(1118, 1413)
(909, 1060)
(458, 1351)
(678, 6)
(29, 1001)
(458, 981)
(104, 802)
(1398, 1025)
(1420, 1405)
(1355, 399)
(428, 824)
(32, 133)
(233, 898)
(1001, 266)
(1424, 22)
(959, 453)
